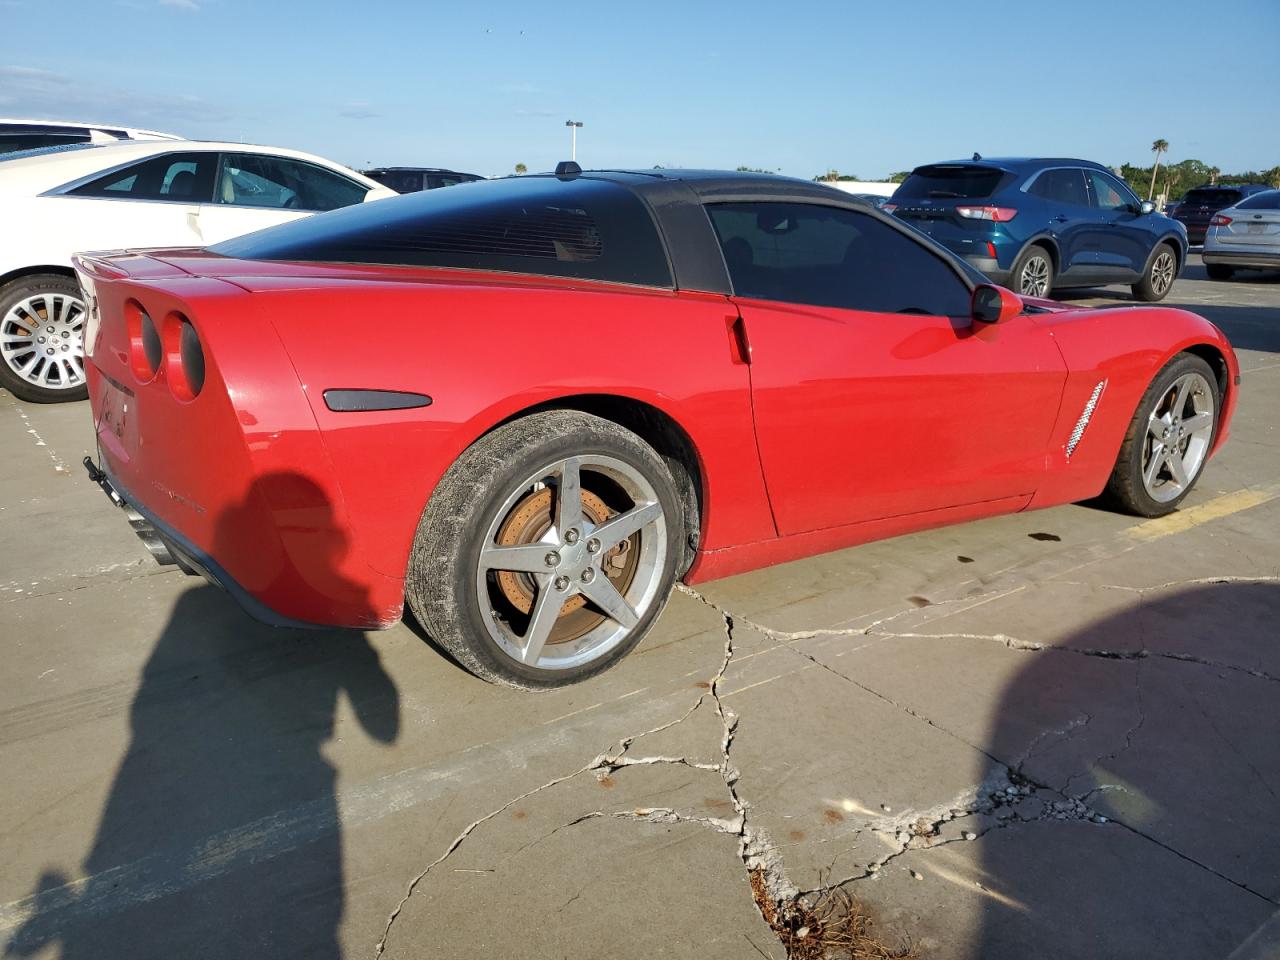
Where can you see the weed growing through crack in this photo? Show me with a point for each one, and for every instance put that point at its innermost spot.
(836, 927)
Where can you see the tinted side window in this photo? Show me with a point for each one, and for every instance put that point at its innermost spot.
(1108, 192)
(254, 180)
(832, 257)
(1061, 186)
(591, 229)
(185, 177)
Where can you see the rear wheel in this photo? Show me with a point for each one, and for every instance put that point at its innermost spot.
(1219, 271)
(547, 551)
(1032, 274)
(1160, 273)
(42, 339)
(1169, 440)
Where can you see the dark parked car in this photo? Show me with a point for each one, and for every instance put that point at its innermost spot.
(1037, 225)
(413, 179)
(1201, 203)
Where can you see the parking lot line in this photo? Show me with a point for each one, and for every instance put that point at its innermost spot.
(1215, 509)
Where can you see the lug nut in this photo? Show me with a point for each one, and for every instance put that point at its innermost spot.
(593, 545)
(49, 351)
(553, 559)
(571, 536)
(588, 575)
(562, 584)
(49, 329)
(40, 339)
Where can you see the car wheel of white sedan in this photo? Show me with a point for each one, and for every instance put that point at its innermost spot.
(547, 551)
(42, 320)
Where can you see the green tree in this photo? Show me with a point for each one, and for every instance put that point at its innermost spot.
(1214, 173)
(755, 170)
(521, 168)
(1157, 147)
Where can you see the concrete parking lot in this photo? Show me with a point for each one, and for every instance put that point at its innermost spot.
(1050, 735)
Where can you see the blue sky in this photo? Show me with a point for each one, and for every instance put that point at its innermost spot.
(796, 87)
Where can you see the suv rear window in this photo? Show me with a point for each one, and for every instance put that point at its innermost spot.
(959, 180)
(1223, 198)
(591, 229)
(1267, 200)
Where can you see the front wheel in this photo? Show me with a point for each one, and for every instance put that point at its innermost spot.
(1169, 440)
(1159, 276)
(42, 339)
(547, 550)
(1032, 274)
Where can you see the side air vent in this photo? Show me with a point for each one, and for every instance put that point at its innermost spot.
(1078, 431)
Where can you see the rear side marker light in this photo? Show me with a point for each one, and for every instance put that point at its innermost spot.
(995, 214)
(145, 349)
(184, 357)
(1219, 220)
(991, 250)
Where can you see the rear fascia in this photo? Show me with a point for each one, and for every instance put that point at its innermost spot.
(239, 473)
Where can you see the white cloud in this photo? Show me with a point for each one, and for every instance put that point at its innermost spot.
(35, 92)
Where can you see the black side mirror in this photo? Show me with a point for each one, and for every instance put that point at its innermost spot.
(992, 304)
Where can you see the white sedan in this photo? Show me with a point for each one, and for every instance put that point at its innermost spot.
(150, 194)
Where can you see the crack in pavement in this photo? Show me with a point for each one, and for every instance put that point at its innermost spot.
(1013, 772)
(758, 852)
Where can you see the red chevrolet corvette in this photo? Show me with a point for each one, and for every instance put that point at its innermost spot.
(530, 405)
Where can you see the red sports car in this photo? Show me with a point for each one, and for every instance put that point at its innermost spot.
(531, 405)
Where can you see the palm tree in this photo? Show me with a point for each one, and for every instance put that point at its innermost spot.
(1158, 147)
(521, 168)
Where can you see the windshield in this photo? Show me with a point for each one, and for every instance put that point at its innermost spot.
(950, 180)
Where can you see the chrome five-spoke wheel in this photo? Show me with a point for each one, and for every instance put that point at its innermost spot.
(1179, 432)
(1169, 438)
(548, 549)
(571, 561)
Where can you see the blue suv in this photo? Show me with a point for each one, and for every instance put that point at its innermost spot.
(1037, 225)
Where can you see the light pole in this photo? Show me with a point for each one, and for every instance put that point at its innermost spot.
(573, 126)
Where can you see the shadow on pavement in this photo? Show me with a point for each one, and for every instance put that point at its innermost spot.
(221, 834)
(1164, 722)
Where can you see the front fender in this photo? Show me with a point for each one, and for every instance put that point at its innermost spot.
(1121, 351)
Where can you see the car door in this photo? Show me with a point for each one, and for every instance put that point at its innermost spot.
(874, 393)
(1068, 216)
(1125, 235)
(254, 191)
(152, 203)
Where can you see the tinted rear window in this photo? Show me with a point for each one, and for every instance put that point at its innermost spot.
(1267, 200)
(946, 180)
(592, 229)
(1224, 198)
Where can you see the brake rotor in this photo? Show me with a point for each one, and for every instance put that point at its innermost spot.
(528, 522)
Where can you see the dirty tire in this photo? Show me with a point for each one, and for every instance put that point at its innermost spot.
(1125, 489)
(1159, 275)
(14, 293)
(1219, 271)
(444, 579)
(1032, 273)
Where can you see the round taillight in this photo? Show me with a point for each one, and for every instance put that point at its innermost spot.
(145, 348)
(184, 357)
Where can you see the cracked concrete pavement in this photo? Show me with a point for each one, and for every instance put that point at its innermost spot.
(1005, 744)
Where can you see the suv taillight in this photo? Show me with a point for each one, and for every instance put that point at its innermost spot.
(1218, 220)
(995, 214)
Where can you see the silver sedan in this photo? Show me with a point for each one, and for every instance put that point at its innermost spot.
(1244, 236)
